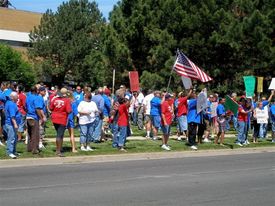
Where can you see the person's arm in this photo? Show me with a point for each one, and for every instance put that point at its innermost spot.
(271, 95)
(189, 93)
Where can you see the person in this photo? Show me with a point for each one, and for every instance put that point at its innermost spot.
(99, 100)
(60, 107)
(140, 99)
(122, 122)
(133, 108)
(146, 110)
(256, 124)
(34, 114)
(21, 104)
(42, 124)
(272, 114)
(87, 112)
(71, 124)
(182, 112)
(242, 121)
(106, 111)
(78, 95)
(166, 120)
(156, 113)
(193, 119)
(221, 119)
(12, 121)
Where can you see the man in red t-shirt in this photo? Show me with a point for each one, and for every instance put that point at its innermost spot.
(21, 104)
(166, 120)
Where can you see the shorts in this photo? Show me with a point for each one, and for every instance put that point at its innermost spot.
(70, 124)
(273, 126)
(182, 121)
(23, 124)
(147, 119)
(166, 129)
(60, 129)
(222, 124)
(207, 125)
(156, 121)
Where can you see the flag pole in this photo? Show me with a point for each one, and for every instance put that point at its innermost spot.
(171, 72)
(113, 86)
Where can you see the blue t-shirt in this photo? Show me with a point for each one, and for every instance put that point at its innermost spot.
(32, 103)
(155, 106)
(11, 111)
(78, 97)
(98, 99)
(41, 103)
(74, 111)
(220, 110)
(107, 105)
(192, 115)
(272, 112)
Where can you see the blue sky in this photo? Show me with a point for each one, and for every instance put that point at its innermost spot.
(105, 6)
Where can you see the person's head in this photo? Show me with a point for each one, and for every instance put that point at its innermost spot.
(121, 100)
(234, 96)
(88, 96)
(167, 96)
(42, 91)
(221, 100)
(14, 96)
(33, 89)
(193, 95)
(100, 90)
(78, 89)
(20, 88)
(242, 101)
(157, 93)
(263, 98)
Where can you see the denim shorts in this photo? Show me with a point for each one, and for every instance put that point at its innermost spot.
(156, 121)
(70, 124)
(166, 129)
(273, 126)
(182, 121)
(22, 125)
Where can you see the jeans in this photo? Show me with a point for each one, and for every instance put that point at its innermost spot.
(263, 131)
(12, 139)
(242, 126)
(97, 129)
(235, 122)
(86, 132)
(182, 122)
(114, 128)
(122, 135)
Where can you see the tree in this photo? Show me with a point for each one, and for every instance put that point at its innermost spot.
(64, 39)
(14, 68)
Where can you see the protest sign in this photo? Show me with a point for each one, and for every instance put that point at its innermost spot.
(260, 84)
(202, 101)
(231, 105)
(134, 81)
(249, 82)
(261, 116)
(272, 84)
(187, 83)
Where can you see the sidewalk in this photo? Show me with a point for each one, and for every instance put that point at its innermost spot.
(32, 162)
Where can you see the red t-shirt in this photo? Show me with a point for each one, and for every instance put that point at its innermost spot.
(242, 117)
(123, 118)
(182, 106)
(21, 103)
(60, 108)
(166, 110)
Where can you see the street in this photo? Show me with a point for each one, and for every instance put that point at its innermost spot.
(245, 179)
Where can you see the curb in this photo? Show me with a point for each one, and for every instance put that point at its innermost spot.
(31, 162)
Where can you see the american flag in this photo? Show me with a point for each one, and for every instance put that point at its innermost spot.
(185, 67)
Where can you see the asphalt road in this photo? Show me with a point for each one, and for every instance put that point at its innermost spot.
(247, 179)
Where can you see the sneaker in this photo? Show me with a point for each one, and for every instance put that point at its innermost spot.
(239, 144)
(165, 147)
(194, 147)
(1, 144)
(155, 138)
(82, 148)
(41, 146)
(273, 141)
(122, 149)
(246, 142)
(12, 156)
(88, 148)
(179, 139)
(206, 140)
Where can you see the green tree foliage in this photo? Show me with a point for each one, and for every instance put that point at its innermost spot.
(64, 40)
(14, 68)
(227, 39)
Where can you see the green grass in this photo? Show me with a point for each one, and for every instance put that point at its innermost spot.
(133, 146)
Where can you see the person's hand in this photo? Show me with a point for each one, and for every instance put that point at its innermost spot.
(16, 127)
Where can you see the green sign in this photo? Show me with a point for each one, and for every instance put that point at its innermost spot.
(249, 83)
(231, 105)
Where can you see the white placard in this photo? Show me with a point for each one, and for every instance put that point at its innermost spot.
(201, 102)
(272, 84)
(187, 83)
(261, 116)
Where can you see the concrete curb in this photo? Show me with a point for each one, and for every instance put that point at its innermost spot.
(31, 162)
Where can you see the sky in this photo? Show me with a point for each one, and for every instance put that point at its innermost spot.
(105, 6)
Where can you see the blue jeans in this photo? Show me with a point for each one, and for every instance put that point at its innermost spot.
(235, 122)
(122, 135)
(242, 126)
(86, 132)
(97, 129)
(12, 139)
(114, 128)
(263, 131)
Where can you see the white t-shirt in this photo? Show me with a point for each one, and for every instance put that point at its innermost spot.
(147, 103)
(140, 98)
(85, 107)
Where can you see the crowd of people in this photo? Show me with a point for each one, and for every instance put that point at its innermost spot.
(95, 113)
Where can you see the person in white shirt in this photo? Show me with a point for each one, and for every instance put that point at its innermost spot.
(147, 108)
(139, 107)
(87, 111)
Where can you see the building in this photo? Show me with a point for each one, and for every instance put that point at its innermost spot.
(15, 26)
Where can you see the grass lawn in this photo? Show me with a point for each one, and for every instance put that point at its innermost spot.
(133, 146)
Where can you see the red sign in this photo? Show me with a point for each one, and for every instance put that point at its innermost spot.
(134, 81)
